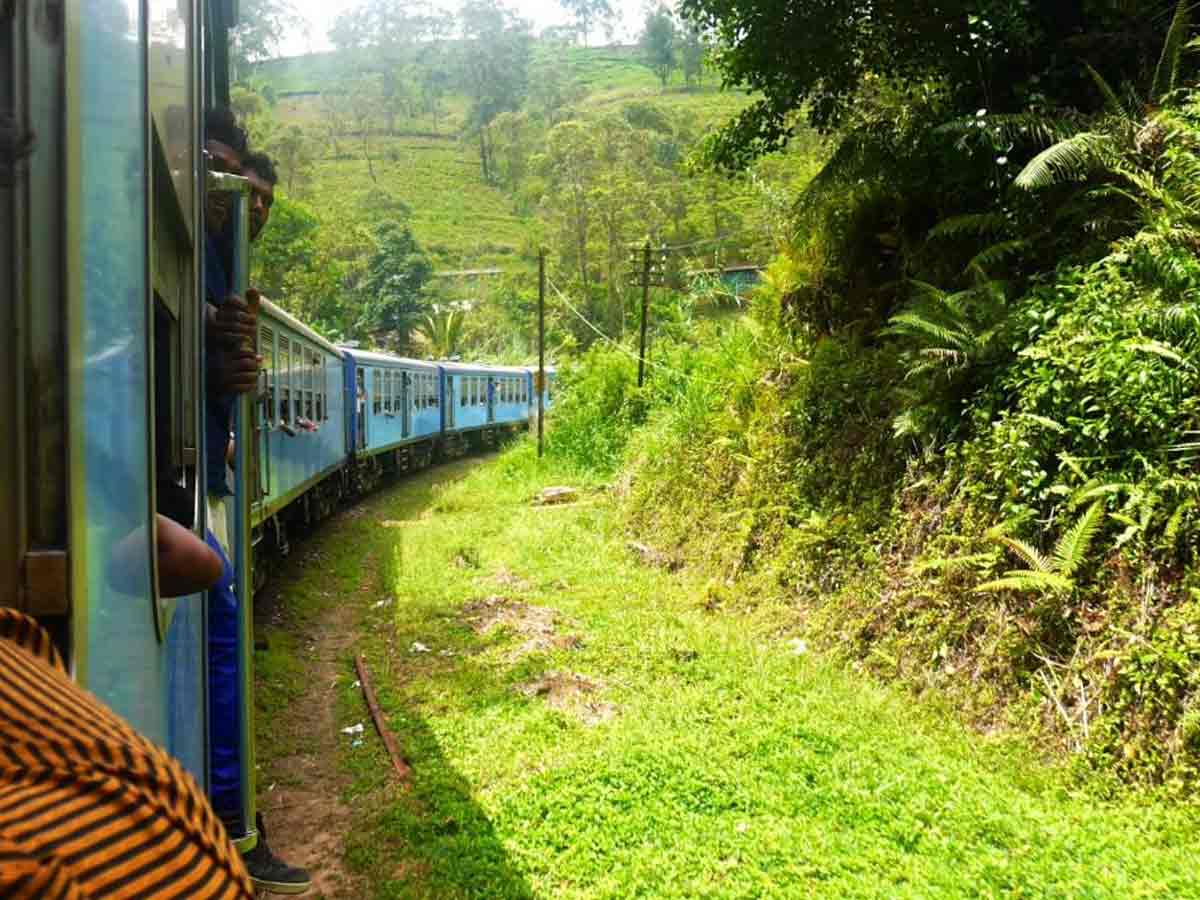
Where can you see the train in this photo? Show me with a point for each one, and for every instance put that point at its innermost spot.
(103, 186)
(332, 421)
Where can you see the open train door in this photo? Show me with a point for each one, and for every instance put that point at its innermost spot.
(405, 403)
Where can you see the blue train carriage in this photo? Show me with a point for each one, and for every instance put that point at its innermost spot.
(100, 249)
(482, 404)
(395, 407)
(300, 424)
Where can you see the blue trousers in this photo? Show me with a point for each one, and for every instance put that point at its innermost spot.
(225, 691)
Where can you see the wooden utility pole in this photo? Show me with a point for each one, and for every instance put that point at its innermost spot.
(645, 313)
(541, 379)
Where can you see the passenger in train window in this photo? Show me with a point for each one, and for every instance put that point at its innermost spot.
(259, 170)
(231, 332)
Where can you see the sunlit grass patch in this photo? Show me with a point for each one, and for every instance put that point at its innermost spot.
(731, 762)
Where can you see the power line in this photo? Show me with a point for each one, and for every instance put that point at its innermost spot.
(671, 248)
(619, 346)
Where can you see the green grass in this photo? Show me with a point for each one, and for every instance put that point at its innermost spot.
(734, 766)
(460, 221)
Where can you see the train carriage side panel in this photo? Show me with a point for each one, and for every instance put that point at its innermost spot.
(401, 401)
(302, 413)
(508, 389)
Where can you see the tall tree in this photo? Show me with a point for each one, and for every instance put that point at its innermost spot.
(569, 166)
(692, 50)
(364, 103)
(494, 65)
(334, 118)
(392, 290)
(657, 43)
(992, 54)
(263, 24)
(292, 148)
(388, 35)
(589, 14)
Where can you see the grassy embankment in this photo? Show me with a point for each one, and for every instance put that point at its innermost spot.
(704, 753)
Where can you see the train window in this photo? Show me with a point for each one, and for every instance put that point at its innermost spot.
(319, 386)
(376, 399)
(266, 347)
(387, 390)
(285, 381)
(310, 383)
(434, 400)
(464, 385)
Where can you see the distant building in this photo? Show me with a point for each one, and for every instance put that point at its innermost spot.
(739, 279)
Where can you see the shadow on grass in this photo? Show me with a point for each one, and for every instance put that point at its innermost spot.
(434, 840)
(430, 839)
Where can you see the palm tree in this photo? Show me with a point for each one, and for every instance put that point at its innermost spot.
(441, 332)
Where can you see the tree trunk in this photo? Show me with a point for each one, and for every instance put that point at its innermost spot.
(367, 155)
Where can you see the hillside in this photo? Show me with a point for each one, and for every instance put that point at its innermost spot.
(461, 221)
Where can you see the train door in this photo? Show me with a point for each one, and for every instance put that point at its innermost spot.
(405, 404)
(360, 407)
(451, 406)
(491, 399)
(264, 423)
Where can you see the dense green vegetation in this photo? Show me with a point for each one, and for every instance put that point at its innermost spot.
(490, 145)
(954, 433)
(958, 431)
(582, 724)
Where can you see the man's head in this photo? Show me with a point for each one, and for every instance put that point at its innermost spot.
(225, 142)
(259, 170)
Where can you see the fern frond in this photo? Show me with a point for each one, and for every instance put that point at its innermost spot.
(1002, 529)
(1094, 491)
(914, 324)
(1019, 129)
(973, 224)
(1068, 160)
(1029, 554)
(1045, 421)
(1175, 522)
(998, 253)
(1111, 100)
(1071, 550)
(925, 289)
(1166, 73)
(1159, 349)
(1022, 581)
(953, 563)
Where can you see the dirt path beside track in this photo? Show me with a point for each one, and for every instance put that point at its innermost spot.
(312, 615)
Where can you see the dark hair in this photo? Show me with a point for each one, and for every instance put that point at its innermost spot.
(263, 166)
(15, 145)
(221, 125)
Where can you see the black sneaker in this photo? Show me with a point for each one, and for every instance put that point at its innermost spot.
(270, 873)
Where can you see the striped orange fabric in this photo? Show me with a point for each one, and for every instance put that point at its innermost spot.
(88, 807)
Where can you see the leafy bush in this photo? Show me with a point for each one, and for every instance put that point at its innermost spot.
(596, 408)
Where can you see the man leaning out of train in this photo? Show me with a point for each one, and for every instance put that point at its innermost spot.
(231, 327)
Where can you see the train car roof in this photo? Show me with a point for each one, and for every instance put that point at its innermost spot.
(373, 356)
(295, 324)
(484, 367)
